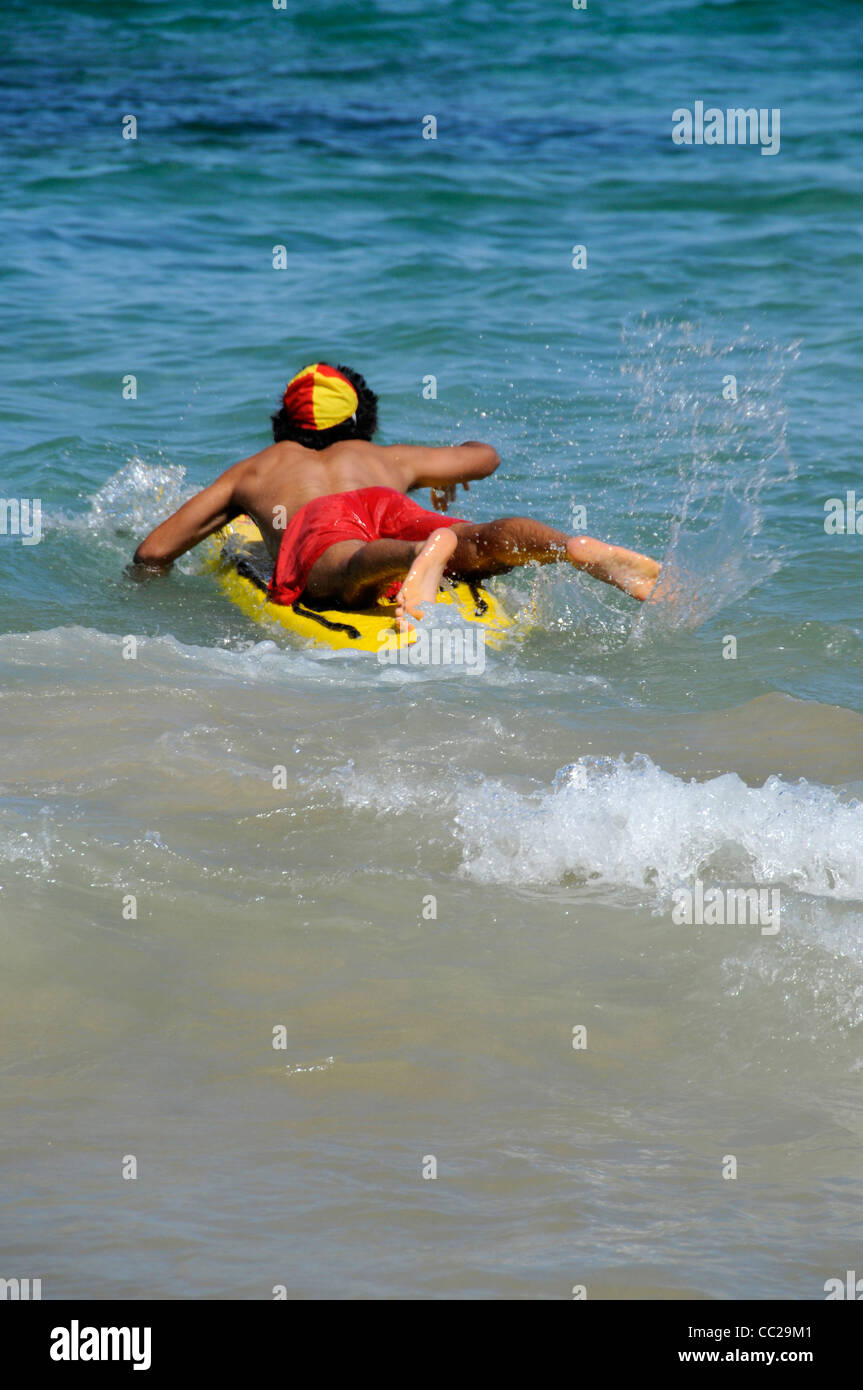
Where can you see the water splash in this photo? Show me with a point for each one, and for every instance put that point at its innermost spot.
(137, 497)
(703, 571)
(707, 438)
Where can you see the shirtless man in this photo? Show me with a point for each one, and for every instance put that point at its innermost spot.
(332, 510)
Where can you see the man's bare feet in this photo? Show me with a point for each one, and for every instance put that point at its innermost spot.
(424, 576)
(627, 570)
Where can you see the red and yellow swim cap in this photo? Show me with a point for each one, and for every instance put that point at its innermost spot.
(319, 397)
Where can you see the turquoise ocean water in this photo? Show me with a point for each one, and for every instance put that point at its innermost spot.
(550, 805)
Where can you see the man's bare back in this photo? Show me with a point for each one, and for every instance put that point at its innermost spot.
(276, 483)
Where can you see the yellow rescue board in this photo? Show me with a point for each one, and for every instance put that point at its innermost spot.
(242, 567)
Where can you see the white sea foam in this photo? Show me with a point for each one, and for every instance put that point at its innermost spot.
(628, 823)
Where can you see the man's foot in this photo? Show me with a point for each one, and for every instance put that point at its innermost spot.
(627, 570)
(424, 576)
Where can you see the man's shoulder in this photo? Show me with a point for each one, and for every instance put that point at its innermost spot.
(344, 448)
(275, 456)
(358, 453)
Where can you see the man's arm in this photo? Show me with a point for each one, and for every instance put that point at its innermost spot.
(198, 518)
(443, 468)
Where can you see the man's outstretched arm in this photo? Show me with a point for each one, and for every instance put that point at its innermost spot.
(198, 518)
(442, 470)
(439, 468)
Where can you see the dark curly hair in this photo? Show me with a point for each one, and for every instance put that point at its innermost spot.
(364, 427)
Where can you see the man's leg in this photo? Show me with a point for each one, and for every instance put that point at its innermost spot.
(354, 572)
(493, 547)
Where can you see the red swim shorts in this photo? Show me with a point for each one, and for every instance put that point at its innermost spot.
(369, 514)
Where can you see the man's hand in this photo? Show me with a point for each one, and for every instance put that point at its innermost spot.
(442, 496)
(141, 572)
